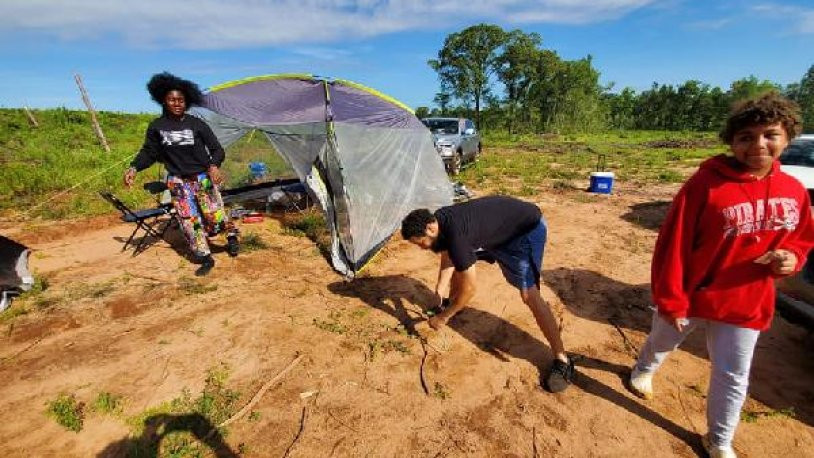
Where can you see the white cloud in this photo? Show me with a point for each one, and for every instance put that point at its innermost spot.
(800, 20)
(212, 24)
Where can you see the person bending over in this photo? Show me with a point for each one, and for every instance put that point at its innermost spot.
(511, 231)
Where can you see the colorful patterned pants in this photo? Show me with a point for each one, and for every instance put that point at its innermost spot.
(199, 206)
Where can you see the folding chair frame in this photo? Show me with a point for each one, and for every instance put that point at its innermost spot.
(143, 219)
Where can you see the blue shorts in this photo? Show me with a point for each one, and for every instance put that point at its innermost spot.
(521, 258)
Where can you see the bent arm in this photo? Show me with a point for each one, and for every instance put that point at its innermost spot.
(463, 290)
(801, 240)
(445, 272)
(216, 153)
(148, 154)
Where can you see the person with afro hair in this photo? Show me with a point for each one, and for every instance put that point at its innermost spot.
(192, 155)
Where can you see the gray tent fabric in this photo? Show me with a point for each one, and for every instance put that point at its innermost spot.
(364, 156)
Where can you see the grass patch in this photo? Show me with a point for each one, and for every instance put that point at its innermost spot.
(107, 403)
(311, 224)
(13, 312)
(174, 424)
(66, 411)
(524, 164)
(91, 291)
(372, 337)
(33, 297)
(332, 324)
(752, 416)
(38, 165)
(440, 391)
(191, 286)
(42, 296)
(252, 242)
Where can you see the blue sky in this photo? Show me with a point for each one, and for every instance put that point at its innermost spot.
(117, 45)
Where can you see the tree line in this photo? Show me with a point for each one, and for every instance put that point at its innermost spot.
(507, 80)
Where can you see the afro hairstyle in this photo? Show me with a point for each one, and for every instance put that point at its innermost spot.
(162, 83)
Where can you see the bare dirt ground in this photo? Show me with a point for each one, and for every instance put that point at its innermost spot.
(144, 328)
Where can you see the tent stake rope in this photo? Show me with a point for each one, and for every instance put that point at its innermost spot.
(66, 191)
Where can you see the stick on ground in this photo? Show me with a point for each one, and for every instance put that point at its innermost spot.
(299, 433)
(629, 346)
(421, 368)
(262, 391)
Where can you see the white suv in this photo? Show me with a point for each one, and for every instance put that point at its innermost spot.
(798, 161)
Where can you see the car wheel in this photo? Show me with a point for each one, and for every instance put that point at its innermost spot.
(455, 165)
(478, 152)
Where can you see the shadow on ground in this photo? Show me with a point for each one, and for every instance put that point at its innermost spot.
(782, 371)
(649, 215)
(500, 339)
(157, 427)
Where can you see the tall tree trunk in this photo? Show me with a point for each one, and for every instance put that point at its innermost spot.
(477, 110)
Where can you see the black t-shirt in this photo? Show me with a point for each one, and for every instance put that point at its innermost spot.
(186, 146)
(486, 223)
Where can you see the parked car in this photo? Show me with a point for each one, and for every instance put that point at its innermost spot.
(456, 139)
(798, 161)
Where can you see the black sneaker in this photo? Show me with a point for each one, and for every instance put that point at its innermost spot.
(207, 263)
(559, 376)
(232, 245)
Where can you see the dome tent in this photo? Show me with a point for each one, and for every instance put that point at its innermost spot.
(365, 156)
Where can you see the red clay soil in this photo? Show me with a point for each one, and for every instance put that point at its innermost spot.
(144, 328)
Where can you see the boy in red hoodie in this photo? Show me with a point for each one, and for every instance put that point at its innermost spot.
(736, 225)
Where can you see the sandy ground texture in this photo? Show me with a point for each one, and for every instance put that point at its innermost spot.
(145, 329)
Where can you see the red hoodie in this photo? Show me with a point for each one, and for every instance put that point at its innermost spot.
(721, 220)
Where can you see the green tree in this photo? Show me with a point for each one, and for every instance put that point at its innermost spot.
(750, 87)
(467, 62)
(422, 112)
(516, 69)
(442, 99)
(544, 88)
(621, 108)
(568, 94)
(805, 98)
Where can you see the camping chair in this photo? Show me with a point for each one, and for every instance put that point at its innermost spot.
(161, 192)
(145, 220)
(297, 197)
(288, 194)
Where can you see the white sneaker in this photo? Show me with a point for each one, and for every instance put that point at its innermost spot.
(641, 383)
(717, 451)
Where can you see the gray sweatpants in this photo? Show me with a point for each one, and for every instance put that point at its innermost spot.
(730, 351)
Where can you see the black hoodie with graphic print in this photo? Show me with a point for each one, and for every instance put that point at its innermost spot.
(185, 146)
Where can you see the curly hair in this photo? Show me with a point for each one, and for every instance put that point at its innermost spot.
(770, 108)
(162, 83)
(415, 223)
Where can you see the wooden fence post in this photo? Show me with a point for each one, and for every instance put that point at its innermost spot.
(30, 116)
(96, 127)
